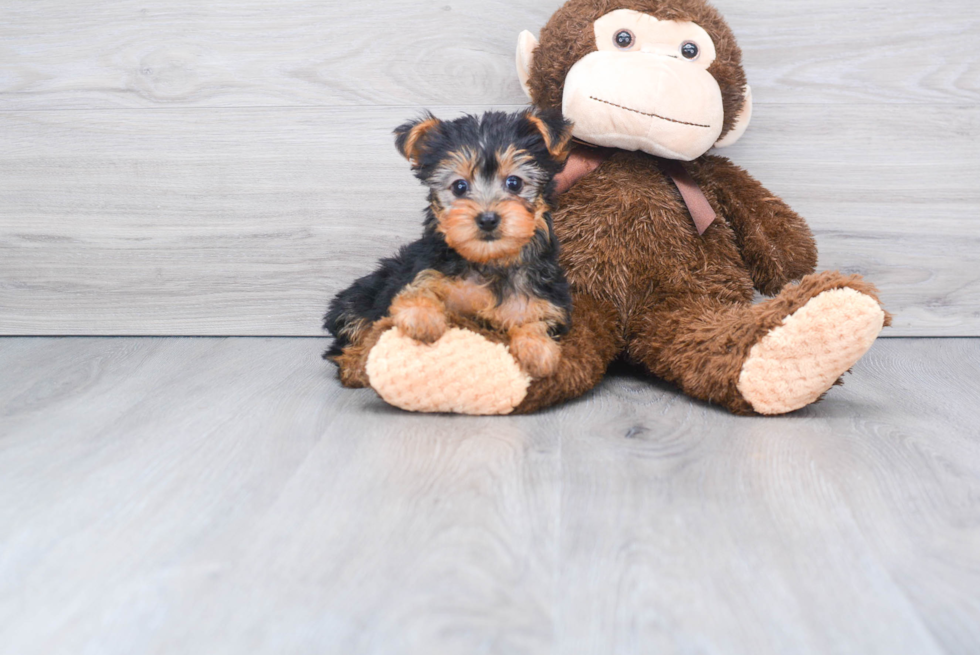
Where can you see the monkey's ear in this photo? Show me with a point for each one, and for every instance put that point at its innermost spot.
(526, 43)
(554, 130)
(411, 137)
(741, 122)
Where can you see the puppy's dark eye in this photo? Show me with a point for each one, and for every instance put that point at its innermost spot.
(623, 39)
(514, 184)
(690, 50)
(459, 188)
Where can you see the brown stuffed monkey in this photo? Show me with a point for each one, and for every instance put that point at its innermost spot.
(654, 83)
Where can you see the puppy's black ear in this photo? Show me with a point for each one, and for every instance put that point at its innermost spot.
(554, 130)
(410, 138)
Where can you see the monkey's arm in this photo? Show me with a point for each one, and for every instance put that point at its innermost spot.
(775, 241)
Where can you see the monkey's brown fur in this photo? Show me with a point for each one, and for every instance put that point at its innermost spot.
(644, 283)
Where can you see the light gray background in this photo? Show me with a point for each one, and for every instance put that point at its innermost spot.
(222, 168)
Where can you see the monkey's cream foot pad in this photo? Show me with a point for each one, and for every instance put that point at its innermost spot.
(801, 359)
(462, 372)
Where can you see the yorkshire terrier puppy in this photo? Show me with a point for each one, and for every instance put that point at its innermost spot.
(487, 251)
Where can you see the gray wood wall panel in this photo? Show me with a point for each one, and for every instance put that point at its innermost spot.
(172, 168)
(244, 221)
(399, 52)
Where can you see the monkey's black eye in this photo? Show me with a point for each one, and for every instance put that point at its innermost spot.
(459, 188)
(514, 184)
(690, 50)
(623, 39)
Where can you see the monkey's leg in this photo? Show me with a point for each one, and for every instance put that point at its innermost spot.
(469, 371)
(771, 358)
(352, 362)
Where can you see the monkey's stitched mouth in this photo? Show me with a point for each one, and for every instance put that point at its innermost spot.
(643, 113)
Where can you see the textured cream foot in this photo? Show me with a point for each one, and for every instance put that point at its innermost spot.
(461, 372)
(801, 359)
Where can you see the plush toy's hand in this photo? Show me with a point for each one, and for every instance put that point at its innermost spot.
(462, 372)
(537, 352)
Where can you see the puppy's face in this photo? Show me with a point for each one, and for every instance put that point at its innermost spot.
(488, 178)
(488, 203)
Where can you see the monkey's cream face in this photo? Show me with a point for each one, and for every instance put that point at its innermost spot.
(647, 88)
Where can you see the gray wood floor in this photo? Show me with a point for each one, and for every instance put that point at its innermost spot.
(227, 496)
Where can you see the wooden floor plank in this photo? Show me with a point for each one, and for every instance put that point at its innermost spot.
(152, 53)
(776, 530)
(197, 476)
(226, 495)
(176, 222)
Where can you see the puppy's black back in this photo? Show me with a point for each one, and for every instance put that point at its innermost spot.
(370, 297)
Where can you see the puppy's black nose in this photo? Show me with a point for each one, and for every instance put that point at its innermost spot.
(488, 221)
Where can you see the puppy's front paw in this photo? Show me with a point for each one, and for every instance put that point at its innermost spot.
(421, 320)
(537, 353)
